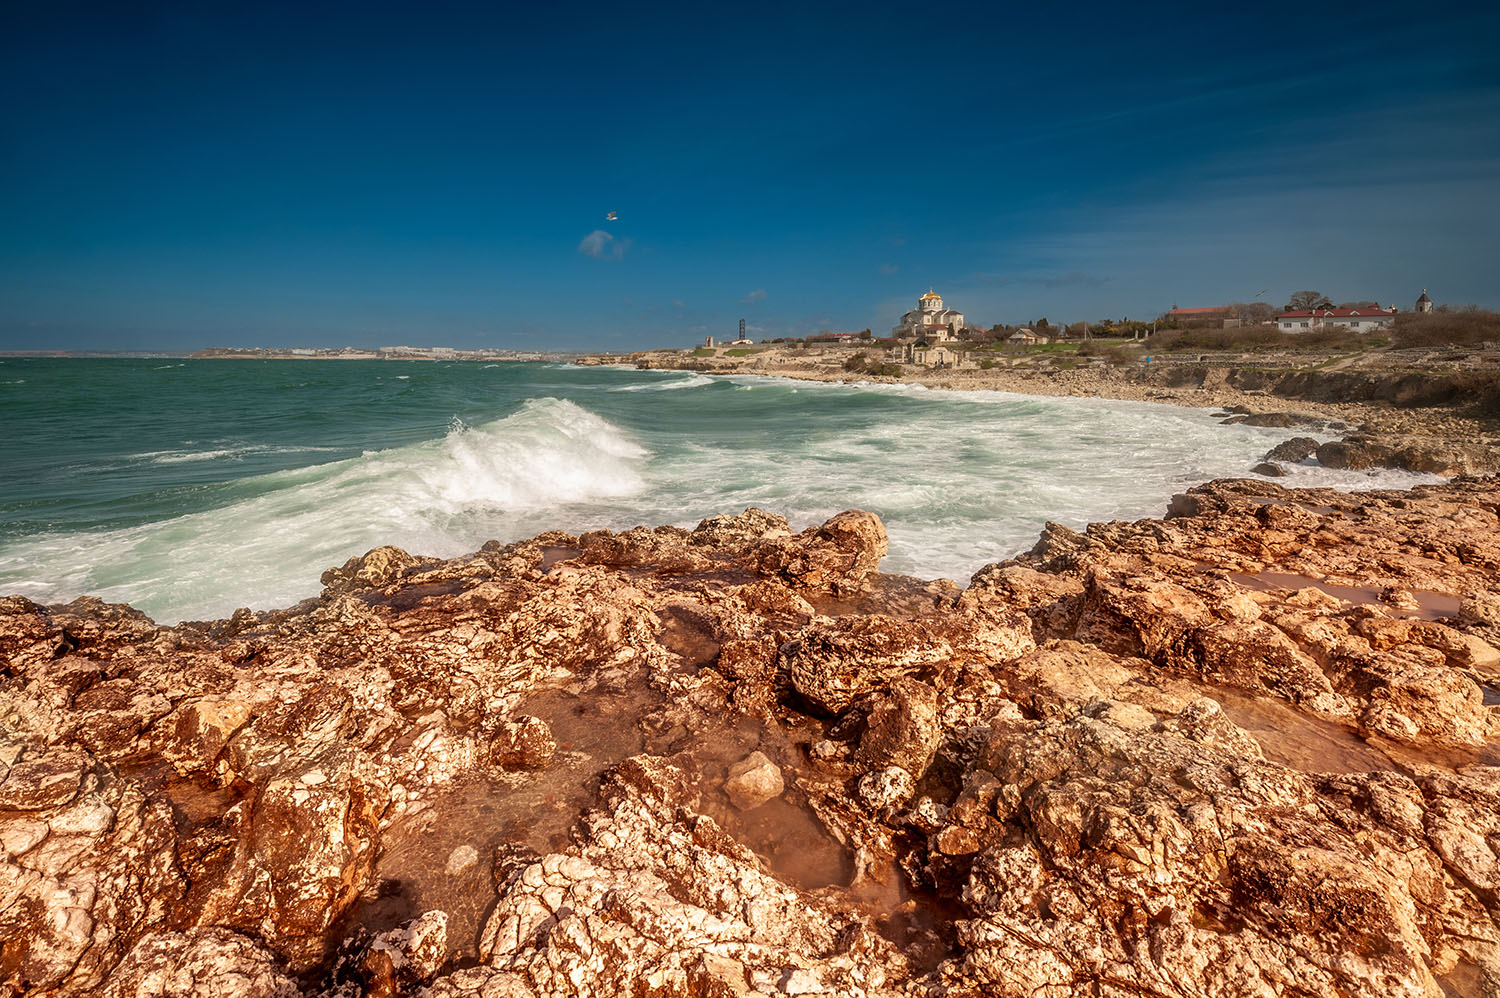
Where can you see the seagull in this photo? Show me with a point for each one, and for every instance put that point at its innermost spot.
(612, 217)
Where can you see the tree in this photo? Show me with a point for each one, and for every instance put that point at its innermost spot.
(1255, 311)
(1303, 300)
(1359, 304)
(1042, 323)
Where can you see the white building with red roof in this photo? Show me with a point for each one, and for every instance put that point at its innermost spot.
(1355, 320)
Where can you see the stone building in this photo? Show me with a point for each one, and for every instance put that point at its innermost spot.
(930, 320)
(925, 354)
(1424, 304)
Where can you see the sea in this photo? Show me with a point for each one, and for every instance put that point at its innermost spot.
(190, 488)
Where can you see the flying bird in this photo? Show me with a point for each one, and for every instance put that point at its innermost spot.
(612, 217)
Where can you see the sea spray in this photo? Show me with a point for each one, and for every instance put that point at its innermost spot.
(192, 491)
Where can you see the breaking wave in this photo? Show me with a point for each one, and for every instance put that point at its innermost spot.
(444, 497)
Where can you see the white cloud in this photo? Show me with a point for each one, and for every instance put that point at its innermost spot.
(889, 268)
(601, 245)
(759, 294)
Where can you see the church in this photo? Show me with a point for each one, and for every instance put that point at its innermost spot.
(930, 320)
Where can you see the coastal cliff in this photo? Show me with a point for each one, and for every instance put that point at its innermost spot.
(1246, 749)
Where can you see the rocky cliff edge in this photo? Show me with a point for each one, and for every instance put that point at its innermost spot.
(1248, 749)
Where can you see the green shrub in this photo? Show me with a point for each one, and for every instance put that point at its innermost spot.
(1466, 327)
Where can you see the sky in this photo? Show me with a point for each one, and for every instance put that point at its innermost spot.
(177, 176)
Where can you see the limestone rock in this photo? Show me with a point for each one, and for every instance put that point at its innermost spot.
(902, 729)
(203, 963)
(885, 788)
(752, 781)
(43, 783)
(1249, 748)
(1292, 451)
(524, 742)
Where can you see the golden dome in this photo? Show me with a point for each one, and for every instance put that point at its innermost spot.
(930, 294)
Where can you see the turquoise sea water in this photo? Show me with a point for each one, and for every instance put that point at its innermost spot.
(193, 487)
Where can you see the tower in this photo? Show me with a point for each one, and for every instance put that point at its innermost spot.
(1424, 304)
(742, 329)
(931, 302)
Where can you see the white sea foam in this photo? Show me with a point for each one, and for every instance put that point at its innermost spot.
(445, 497)
(696, 381)
(960, 478)
(230, 453)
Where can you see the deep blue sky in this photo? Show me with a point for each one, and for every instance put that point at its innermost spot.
(177, 176)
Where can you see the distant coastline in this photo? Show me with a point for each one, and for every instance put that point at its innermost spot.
(382, 353)
(311, 353)
(1416, 402)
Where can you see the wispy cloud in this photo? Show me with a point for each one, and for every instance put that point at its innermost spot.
(758, 295)
(889, 268)
(602, 245)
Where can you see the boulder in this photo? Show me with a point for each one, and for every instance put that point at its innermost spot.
(752, 781)
(44, 783)
(902, 729)
(1293, 450)
(524, 742)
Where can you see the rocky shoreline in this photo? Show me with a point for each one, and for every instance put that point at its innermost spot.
(1408, 410)
(1246, 749)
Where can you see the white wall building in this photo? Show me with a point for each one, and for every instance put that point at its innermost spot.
(1357, 320)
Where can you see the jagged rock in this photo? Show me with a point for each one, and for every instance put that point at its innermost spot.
(525, 742)
(836, 557)
(739, 531)
(885, 788)
(45, 783)
(202, 963)
(399, 961)
(902, 729)
(833, 661)
(378, 567)
(1435, 456)
(1244, 747)
(1293, 450)
(1279, 419)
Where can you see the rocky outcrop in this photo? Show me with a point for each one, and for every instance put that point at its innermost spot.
(1438, 457)
(1246, 749)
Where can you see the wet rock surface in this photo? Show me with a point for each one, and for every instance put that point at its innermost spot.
(1246, 749)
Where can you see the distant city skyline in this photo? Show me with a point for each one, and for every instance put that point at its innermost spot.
(178, 177)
